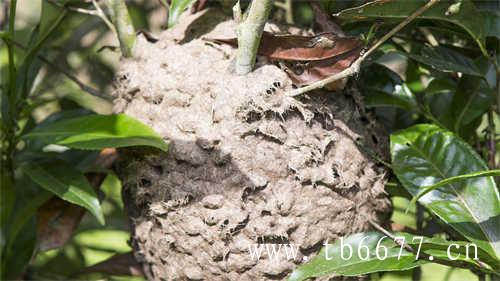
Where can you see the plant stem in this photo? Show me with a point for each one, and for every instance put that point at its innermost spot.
(286, 5)
(355, 66)
(249, 34)
(8, 112)
(490, 140)
(419, 217)
(123, 25)
(10, 50)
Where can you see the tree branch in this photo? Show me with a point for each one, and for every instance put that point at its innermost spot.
(249, 34)
(123, 25)
(355, 66)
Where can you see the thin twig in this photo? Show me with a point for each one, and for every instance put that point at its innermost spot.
(355, 66)
(98, 12)
(102, 15)
(69, 75)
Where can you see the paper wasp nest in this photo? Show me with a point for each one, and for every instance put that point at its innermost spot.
(247, 165)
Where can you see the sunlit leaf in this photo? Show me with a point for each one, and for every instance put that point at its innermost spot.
(370, 252)
(424, 155)
(98, 132)
(427, 189)
(175, 10)
(329, 260)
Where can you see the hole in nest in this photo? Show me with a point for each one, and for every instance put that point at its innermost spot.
(157, 99)
(265, 213)
(158, 169)
(273, 239)
(375, 140)
(145, 182)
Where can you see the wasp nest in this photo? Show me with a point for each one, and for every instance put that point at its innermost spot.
(247, 165)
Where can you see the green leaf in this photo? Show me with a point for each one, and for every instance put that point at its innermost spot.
(175, 10)
(401, 96)
(21, 237)
(440, 86)
(463, 13)
(446, 60)
(492, 19)
(67, 183)
(329, 260)
(424, 155)
(50, 18)
(473, 98)
(97, 132)
(427, 189)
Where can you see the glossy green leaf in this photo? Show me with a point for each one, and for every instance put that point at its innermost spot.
(329, 260)
(67, 183)
(98, 132)
(427, 189)
(463, 13)
(424, 155)
(473, 98)
(446, 60)
(445, 250)
(439, 86)
(176, 8)
(397, 259)
(401, 96)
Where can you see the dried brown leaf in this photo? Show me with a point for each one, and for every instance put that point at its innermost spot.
(301, 48)
(303, 74)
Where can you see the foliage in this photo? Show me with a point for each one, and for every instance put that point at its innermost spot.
(425, 76)
(434, 86)
(45, 156)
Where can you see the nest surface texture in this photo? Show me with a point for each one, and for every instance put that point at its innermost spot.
(247, 165)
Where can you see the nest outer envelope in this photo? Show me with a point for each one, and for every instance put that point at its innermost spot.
(246, 164)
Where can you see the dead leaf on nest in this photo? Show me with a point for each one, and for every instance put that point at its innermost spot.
(301, 48)
(308, 58)
(307, 73)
